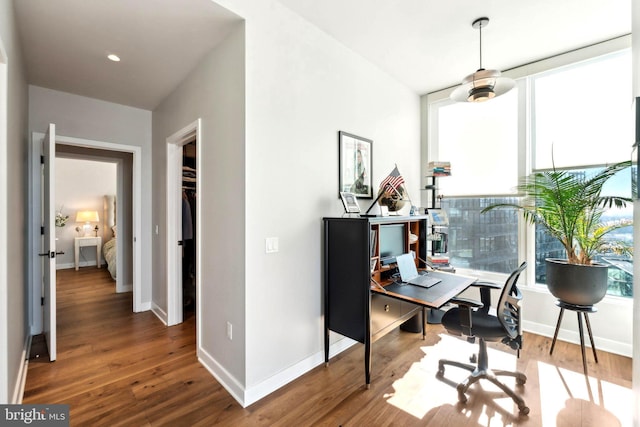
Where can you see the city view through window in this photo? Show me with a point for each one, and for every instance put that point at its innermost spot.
(489, 241)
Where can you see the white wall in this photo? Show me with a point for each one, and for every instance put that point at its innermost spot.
(13, 187)
(87, 118)
(302, 88)
(214, 92)
(81, 185)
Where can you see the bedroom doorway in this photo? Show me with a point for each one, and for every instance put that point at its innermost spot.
(131, 192)
(183, 213)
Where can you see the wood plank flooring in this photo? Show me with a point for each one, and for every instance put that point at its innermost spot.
(118, 368)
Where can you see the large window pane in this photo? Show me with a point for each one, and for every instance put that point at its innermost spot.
(487, 242)
(582, 109)
(480, 141)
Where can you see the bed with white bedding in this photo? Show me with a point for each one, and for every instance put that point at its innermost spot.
(109, 248)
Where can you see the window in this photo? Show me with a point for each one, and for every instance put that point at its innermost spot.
(552, 118)
(486, 242)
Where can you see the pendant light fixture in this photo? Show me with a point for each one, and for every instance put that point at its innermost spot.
(482, 85)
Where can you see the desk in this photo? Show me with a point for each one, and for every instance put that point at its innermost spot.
(420, 298)
(81, 242)
(357, 308)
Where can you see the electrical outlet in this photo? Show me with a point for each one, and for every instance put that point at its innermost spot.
(229, 331)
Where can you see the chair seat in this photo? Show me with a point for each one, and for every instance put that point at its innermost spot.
(484, 325)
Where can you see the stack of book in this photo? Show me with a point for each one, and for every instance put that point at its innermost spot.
(438, 262)
(439, 169)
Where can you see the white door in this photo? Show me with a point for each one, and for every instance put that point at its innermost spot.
(49, 244)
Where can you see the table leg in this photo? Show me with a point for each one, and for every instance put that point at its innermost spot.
(76, 254)
(367, 361)
(98, 255)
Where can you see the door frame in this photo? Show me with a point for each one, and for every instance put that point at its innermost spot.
(175, 142)
(34, 273)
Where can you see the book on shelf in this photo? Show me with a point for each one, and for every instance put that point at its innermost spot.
(438, 169)
(374, 242)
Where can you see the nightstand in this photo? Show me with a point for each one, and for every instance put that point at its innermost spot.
(88, 241)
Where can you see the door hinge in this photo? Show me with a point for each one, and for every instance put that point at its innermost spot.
(41, 300)
(42, 160)
(42, 230)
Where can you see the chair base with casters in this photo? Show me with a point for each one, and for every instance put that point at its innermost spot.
(472, 319)
(482, 371)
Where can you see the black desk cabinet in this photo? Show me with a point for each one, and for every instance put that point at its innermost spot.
(351, 260)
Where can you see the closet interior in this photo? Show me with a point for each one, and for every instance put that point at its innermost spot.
(189, 177)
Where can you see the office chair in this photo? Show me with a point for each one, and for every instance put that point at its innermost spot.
(473, 320)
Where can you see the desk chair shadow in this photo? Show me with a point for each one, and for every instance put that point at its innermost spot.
(473, 320)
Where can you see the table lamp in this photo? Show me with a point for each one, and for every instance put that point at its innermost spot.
(87, 217)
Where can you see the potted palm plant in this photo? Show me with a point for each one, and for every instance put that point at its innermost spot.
(570, 209)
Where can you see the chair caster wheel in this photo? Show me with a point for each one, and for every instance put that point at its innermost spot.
(440, 373)
(473, 358)
(524, 410)
(521, 381)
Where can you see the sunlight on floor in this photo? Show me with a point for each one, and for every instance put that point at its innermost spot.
(419, 392)
(601, 402)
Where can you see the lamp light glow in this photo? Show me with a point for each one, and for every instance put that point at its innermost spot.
(87, 217)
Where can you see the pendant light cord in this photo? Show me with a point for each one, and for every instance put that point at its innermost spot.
(480, 29)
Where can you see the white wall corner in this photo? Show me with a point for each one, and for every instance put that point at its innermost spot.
(224, 377)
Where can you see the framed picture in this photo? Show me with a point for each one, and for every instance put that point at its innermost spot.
(355, 165)
(350, 202)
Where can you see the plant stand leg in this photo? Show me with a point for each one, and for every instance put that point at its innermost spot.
(555, 335)
(581, 332)
(593, 345)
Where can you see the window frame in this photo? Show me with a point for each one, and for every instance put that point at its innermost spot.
(524, 77)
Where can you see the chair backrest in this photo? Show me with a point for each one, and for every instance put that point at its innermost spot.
(508, 308)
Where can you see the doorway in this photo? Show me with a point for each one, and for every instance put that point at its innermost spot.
(183, 231)
(130, 232)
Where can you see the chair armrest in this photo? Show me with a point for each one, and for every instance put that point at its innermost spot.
(483, 284)
(465, 313)
(466, 302)
(485, 292)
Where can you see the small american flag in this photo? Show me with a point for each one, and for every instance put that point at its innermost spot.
(394, 180)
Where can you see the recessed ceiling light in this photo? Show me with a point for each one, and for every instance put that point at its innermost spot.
(114, 58)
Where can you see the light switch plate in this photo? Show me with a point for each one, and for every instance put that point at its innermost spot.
(271, 245)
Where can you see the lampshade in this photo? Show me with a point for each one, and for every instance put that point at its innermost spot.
(87, 216)
(482, 85)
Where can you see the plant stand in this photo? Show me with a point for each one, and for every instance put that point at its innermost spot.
(580, 311)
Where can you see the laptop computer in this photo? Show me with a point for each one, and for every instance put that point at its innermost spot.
(409, 272)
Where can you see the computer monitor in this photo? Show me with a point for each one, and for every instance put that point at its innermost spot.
(392, 242)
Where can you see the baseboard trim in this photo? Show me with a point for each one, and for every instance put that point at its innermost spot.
(573, 337)
(256, 392)
(224, 377)
(250, 395)
(18, 390)
(68, 265)
(159, 312)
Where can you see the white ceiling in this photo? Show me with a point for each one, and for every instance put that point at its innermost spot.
(66, 42)
(431, 45)
(425, 44)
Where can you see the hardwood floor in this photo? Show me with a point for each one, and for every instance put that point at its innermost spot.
(115, 367)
